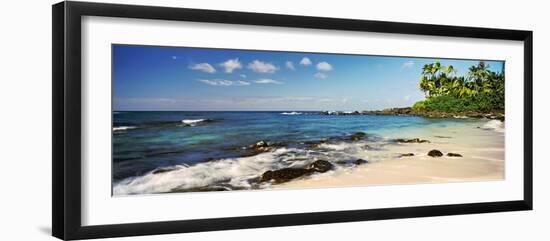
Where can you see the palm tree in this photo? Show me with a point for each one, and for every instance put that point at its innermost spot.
(480, 85)
(425, 85)
(479, 74)
(429, 82)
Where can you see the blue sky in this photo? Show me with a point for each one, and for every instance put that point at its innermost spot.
(177, 78)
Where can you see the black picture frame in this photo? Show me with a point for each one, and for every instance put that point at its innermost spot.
(66, 128)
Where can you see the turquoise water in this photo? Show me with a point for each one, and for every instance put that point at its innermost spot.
(145, 141)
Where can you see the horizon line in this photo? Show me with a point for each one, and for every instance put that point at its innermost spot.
(244, 110)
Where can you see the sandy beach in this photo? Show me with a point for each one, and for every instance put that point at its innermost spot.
(481, 147)
(392, 150)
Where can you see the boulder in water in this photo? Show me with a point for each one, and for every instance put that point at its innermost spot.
(435, 153)
(360, 162)
(357, 136)
(314, 143)
(407, 154)
(414, 140)
(284, 175)
(453, 154)
(287, 174)
(261, 146)
(320, 166)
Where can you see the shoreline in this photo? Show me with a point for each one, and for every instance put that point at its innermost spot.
(469, 151)
(497, 115)
(482, 159)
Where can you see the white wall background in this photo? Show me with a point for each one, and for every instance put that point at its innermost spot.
(25, 123)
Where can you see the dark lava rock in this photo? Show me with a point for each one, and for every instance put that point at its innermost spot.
(407, 154)
(391, 111)
(357, 136)
(204, 189)
(360, 162)
(494, 114)
(414, 140)
(454, 154)
(435, 153)
(261, 146)
(341, 162)
(287, 174)
(284, 175)
(320, 166)
(315, 143)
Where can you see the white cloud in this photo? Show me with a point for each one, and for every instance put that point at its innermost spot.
(223, 82)
(272, 103)
(267, 81)
(305, 61)
(243, 76)
(408, 64)
(262, 67)
(217, 82)
(204, 67)
(288, 99)
(231, 64)
(324, 66)
(241, 82)
(290, 65)
(320, 76)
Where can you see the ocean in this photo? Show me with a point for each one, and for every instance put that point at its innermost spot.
(178, 151)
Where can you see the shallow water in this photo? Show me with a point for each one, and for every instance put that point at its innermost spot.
(208, 149)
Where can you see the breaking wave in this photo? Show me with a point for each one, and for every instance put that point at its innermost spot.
(241, 172)
(291, 113)
(230, 173)
(193, 122)
(494, 125)
(123, 128)
(161, 124)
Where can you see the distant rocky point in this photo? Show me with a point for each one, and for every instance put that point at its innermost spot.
(424, 113)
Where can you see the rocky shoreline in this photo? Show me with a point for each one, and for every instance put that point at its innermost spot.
(320, 166)
(408, 111)
(319, 160)
(282, 175)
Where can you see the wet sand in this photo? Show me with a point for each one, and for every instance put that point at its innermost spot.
(482, 151)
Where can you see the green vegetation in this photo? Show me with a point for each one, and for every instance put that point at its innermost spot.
(480, 90)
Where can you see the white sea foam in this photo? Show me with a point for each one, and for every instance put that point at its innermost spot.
(291, 113)
(495, 125)
(123, 128)
(192, 122)
(233, 171)
(338, 146)
(241, 173)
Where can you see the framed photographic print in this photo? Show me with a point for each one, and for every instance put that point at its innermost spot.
(170, 120)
